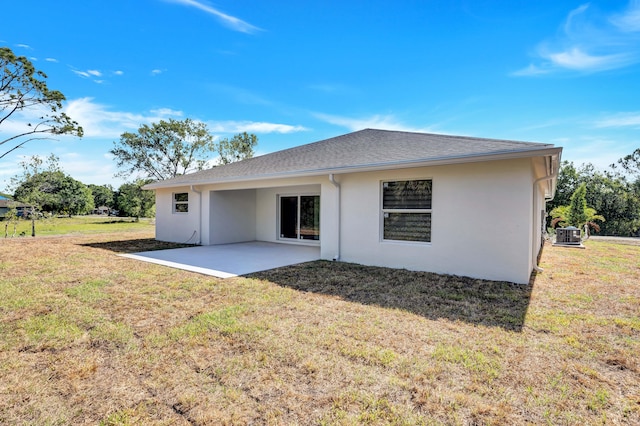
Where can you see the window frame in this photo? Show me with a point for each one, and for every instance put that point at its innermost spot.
(385, 211)
(175, 203)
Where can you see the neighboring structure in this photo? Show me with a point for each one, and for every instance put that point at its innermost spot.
(445, 204)
(6, 204)
(102, 210)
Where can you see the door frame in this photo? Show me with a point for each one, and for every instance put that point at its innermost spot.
(297, 240)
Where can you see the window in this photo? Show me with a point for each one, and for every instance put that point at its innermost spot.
(181, 202)
(406, 210)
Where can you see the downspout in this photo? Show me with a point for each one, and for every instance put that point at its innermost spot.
(193, 188)
(553, 175)
(337, 185)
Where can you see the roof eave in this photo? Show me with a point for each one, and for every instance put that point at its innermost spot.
(438, 161)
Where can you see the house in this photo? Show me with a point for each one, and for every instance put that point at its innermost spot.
(426, 202)
(6, 204)
(101, 210)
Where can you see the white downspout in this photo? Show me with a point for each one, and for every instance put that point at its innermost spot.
(553, 175)
(337, 185)
(193, 188)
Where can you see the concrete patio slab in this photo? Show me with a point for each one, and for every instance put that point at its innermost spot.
(230, 260)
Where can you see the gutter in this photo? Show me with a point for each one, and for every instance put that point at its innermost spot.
(337, 185)
(553, 174)
(199, 231)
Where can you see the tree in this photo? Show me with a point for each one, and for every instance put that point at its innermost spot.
(24, 89)
(51, 190)
(608, 192)
(133, 201)
(577, 213)
(103, 195)
(631, 162)
(240, 147)
(55, 192)
(164, 150)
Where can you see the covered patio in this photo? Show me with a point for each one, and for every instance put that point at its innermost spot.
(231, 260)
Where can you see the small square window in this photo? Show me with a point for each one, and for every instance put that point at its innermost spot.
(181, 202)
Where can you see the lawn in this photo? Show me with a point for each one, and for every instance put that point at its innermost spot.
(74, 225)
(90, 337)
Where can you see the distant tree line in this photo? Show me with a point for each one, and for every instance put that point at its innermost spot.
(612, 194)
(155, 152)
(44, 188)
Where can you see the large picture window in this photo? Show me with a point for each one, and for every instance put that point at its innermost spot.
(181, 202)
(406, 210)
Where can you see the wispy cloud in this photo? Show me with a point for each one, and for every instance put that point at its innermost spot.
(623, 119)
(24, 46)
(51, 59)
(590, 42)
(229, 21)
(100, 121)
(629, 20)
(89, 74)
(377, 121)
(253, 127)
(156, 71)
(118, 72)
(167, 112)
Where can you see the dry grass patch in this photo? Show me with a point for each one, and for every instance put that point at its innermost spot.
(92, 338)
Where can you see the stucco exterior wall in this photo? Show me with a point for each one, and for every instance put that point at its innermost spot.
(481, 221)
(177, 227)
(485, 217)
(232, 216)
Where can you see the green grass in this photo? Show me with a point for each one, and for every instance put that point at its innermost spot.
(75, 225)
(87, 336)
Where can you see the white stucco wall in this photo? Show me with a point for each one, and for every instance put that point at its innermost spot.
(481, 221)
(232, 216)
(176, 227)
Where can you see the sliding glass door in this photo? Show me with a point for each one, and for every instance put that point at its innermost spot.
(300, 217)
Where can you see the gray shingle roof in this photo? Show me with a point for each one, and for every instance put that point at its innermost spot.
(369, 148)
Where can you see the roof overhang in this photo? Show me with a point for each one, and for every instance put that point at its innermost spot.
(550, 152)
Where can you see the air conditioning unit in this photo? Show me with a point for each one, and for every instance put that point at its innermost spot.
(569, 236)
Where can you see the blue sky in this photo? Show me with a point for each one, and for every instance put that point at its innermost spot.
(293, 72)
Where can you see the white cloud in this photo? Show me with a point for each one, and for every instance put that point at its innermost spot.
(94, 73)
(576, 59)
(82, 73)
(156, 71)
(98, 121)
(229, 21)
(118, 72)
(623, 119)
(89, 170)
(51, 59)
(532, 70)
(167, 112)
(252, 127)
(590, 42)
(387, 122)
(24, 46)
(629, 20)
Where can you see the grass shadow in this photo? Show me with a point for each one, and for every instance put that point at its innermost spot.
(135, 245)
(433, 296)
